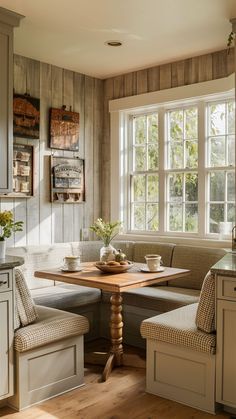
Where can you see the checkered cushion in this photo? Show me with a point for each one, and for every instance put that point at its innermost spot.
(205, 318)
(51, 326)
(178, 327)
(25, 307)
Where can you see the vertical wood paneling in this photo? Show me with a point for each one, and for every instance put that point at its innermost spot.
(142, 81)
(89, 151)
(130, 84)
(57, 102)
(79, 88)
(165, 76)
(153, 79)
(46, 222)
(68, 101)
(177, 74)
(45, 208)
(219, 64)
(205, 68)
(33, 204)
(118, 83)
(191, 71)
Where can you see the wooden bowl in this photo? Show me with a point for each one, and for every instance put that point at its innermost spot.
(116, 269)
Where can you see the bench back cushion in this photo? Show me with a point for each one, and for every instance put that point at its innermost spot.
(198, 260)
(25, 307)
(205, 317)
(39, 258)
(144, 248)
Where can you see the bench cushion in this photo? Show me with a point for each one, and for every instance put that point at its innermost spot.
(160, 299)
(205, 318)
(52, 325)
(66, 296)
(143, 248)
(25, 308)
(178, 328)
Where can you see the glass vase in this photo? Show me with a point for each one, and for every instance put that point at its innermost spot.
(2, 249)
(107, 253)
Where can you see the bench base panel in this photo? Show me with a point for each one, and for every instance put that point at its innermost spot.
(48, 371)
(181, 374)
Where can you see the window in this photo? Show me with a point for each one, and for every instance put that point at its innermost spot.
(221, 161)
(173, 160)
(144, 173)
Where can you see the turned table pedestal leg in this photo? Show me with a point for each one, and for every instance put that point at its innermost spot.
(116, 330)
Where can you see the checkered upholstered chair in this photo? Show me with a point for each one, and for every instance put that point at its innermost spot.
(181, 351)
(48, 349)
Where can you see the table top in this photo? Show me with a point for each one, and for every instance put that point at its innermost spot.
(90, 276)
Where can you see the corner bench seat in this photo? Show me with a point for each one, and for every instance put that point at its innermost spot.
(178, 327)
(52, 325)
(66, 296)
(158, 298)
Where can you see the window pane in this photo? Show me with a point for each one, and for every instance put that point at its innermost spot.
(152, 157)
(139, 158)
(152, 188)
(176, 156)
(217, 151)
(217, 119)
(216, 216)
(230, 187)
(139, 188)
(152, 217)
(191, 154)
(175, 217)
(231, 213)
(176, 124)
(231, 117)
(191, 218)
(217, 187)
(231, 150)
(140, 129)
(176, 187)
(191, 187)
(152, 128)
(139, 216)
(191, 123)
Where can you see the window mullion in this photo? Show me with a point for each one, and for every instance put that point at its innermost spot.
(202, 173)
(162, 179)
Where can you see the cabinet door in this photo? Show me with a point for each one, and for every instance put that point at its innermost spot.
(6, 93)
(226, 353)
(6, 345)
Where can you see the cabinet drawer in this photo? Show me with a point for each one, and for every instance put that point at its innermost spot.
(5, 281)
(226, 287)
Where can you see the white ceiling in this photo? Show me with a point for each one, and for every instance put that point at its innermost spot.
(71, 33)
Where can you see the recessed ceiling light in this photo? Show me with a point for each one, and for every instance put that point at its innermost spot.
(113, 43)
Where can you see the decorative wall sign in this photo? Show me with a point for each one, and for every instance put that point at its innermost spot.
(26, 116)
(67, 180)
(23, 170)
(64, 129)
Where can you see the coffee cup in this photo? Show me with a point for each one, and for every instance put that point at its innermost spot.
(153, 262)
(71, 262)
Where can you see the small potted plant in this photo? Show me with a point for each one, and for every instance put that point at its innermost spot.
(7, 227)
(106, 231)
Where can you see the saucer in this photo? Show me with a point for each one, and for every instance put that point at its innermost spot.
(161, 269)
(65, 269)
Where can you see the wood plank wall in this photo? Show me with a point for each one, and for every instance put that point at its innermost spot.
(45, 222)
(192, 70)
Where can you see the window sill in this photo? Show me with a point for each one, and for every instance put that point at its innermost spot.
(214, 243)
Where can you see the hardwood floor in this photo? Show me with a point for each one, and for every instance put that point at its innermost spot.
(122, 396)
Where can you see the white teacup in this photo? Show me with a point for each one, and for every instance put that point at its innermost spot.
(153, 262)
(71, 262)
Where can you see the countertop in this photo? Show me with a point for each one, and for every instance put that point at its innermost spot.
(11, 262)
(226, 265)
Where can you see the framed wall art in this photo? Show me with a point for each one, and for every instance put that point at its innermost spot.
(23, 170)
(64, 129)
(26, 116)
(67, 180)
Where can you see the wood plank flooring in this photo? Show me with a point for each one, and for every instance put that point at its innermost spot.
(121, 397)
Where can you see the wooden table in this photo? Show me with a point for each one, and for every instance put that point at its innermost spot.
(90, 276)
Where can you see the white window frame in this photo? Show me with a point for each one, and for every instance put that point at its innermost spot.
(120, 111)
